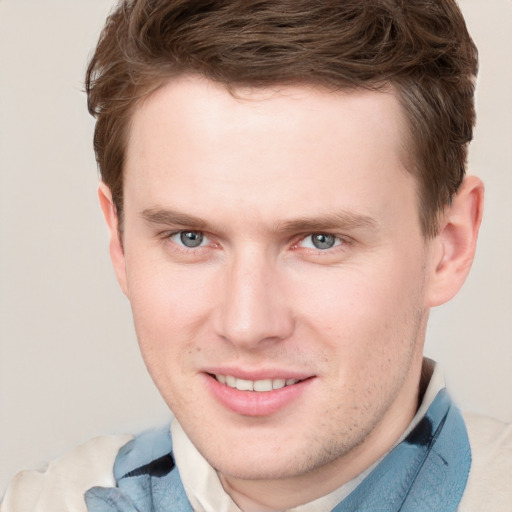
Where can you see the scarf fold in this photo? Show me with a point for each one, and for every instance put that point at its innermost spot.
(426, 472)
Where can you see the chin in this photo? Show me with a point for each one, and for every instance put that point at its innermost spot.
(267, 460)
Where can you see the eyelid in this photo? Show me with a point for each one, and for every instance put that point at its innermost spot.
(341, 240)
(168, 236)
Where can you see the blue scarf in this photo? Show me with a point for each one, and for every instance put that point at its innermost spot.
(427, 472)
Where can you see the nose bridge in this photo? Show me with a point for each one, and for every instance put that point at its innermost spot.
(252, 307)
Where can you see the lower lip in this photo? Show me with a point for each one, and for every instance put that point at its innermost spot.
(254, 403)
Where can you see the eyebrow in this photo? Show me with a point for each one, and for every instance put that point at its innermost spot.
(339, 220)
(165, 216)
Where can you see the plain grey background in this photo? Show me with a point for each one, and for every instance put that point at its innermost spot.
(69, 362)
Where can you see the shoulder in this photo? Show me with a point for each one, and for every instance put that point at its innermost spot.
(61, 486)
(489, 484)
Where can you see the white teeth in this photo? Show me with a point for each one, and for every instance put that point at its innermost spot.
(244, 385)
(255, 385)
(278, 383)
(263, 385)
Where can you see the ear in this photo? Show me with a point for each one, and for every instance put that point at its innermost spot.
(454, 246)
(116, 245)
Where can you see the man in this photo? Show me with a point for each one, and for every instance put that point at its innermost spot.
(284, 184)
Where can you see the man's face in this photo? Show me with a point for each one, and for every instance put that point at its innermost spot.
(272, 239)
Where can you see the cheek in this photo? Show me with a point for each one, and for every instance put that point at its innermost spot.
(371, 329)
(169, 306)
(165, 318)
(365, 314)
(165, 293)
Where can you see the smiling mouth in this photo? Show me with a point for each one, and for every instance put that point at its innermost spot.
(259, 386)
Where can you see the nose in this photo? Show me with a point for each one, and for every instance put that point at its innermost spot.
(252, 305)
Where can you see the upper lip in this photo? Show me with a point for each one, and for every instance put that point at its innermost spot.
(262, 374)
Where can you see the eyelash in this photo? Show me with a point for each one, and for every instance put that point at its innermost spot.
(167, 237)
(337, 241)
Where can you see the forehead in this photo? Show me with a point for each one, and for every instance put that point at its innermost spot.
(212, 110)
(195, 139)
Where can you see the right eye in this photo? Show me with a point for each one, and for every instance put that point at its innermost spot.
(190, 239)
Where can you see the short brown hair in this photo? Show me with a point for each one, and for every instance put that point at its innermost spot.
(421, 47)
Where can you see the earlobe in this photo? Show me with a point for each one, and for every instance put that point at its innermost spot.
(116, 246)
(455, 244)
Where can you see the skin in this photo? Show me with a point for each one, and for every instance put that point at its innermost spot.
(256, 174)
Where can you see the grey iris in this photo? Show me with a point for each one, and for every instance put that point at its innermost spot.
(191, 238)
(323, 241)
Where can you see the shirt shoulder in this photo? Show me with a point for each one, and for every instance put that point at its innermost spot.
(489, 485)
(61, 486)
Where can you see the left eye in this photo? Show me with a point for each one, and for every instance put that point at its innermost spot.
(320, 241)
(188, 238)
